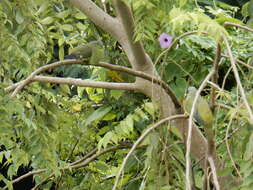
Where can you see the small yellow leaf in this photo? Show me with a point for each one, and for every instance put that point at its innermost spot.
(77, 107)
(115, 76)
(28, 105)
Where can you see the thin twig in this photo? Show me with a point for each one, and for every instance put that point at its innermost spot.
(43, 182)
(215, 76)
(189, 74)
(90, 159)
(223, 106)
(72, 150)
(225, 78)
(18, 86)
(227, 145)
(237, 78)
(85, 157)
(86, 83)
(244, 64)
(239, 61)
(189, 136)
(229, 136)
(26, 176)
(239, 26)
(140, 139)
(214, 172)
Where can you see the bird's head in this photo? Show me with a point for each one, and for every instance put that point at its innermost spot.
(191, 90)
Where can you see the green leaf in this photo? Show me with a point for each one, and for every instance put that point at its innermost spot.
(98, 114)
(182, 2)
(116, 93)
(61, 52)
(81, 26)
(223, 19)
(47, 20)
(150, 108)
(19, 17)
(249, 148)
(105, 140)
(110, 116)
(65, 88)
(80, 16)
(80, 91)
(67, 27)
(62, 14)
(61, 41)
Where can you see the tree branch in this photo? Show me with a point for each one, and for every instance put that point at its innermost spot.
(99, 17)
(126, 18)
(18, 86)
(239, 61)
(86, 83)
(25, 176)
(239, 26)
(144, 76)
(215, 75)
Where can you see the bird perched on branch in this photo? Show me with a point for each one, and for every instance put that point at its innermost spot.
(203, 114)
(94, 51)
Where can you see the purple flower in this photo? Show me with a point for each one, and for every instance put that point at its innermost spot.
(165, 40)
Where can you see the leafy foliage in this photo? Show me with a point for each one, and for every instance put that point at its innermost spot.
(50, 126)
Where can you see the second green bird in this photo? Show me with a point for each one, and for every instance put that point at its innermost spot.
(94, 51)
(203, 114)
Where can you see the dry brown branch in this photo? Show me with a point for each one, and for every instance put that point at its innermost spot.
(228, 148)
(143, 75)
(237, 78)
(26, 175)
(225, 78)
(42, 182)
(239, 61)
(214, 172)
(239, 26)
(223, 106)
(125, 16)
(215, 76)
(99, 17)
(21, 84)
(86, 83)
(85, 157)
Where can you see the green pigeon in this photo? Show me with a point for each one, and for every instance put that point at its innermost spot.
(203, 114)
(94, 51)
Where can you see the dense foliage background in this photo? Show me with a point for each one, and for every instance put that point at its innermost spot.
(50, 125)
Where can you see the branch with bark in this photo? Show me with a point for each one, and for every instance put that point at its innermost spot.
(86, 160)
(32, 77)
